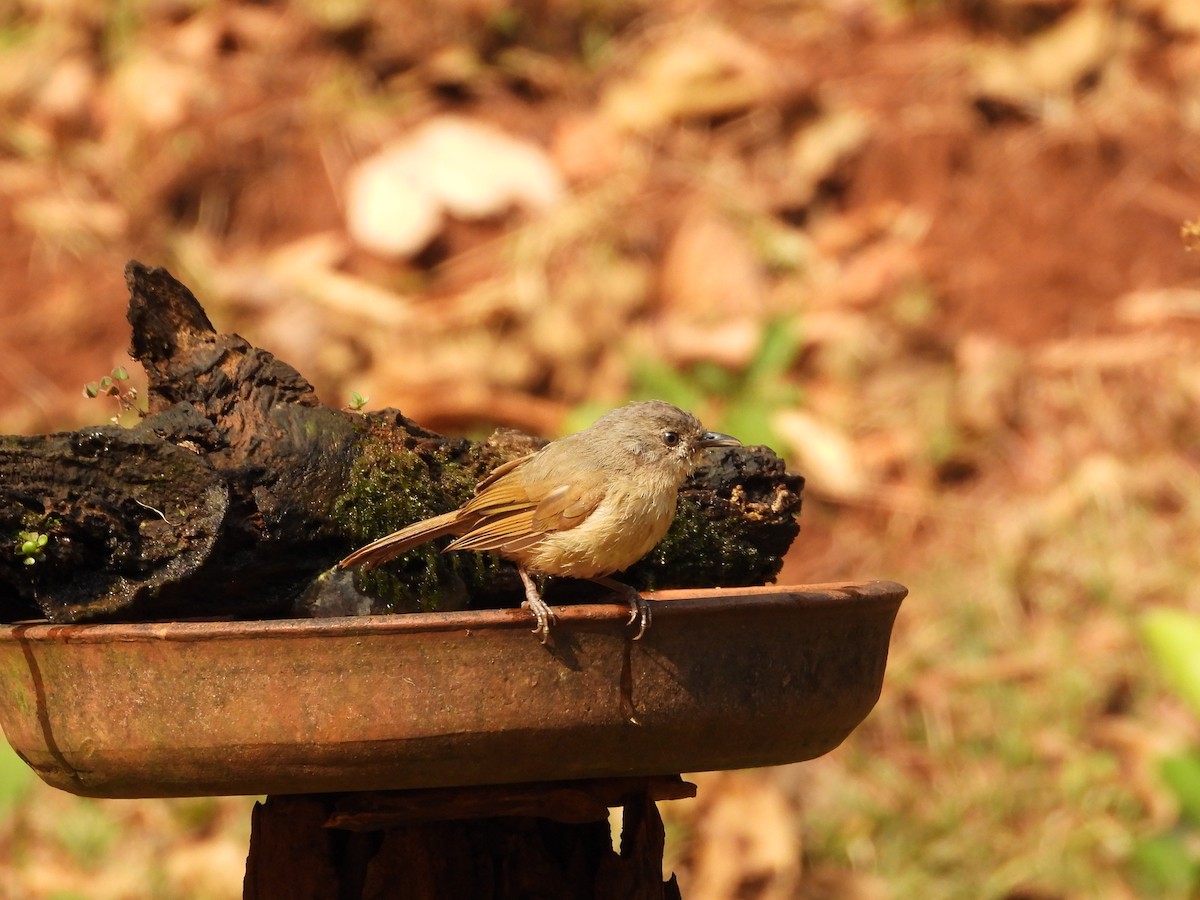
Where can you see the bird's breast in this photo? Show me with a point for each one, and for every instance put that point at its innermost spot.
(623, 528)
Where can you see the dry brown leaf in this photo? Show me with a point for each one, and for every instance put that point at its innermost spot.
(705, 70)
(1111, 352)
(388, 210)
(396, 199)
(67, 220)
(213, 867)
(710, 269)
(1158, 307)
(1182, 15)
(747, 841)
(1179, 15)
(67, 94)
(1051, 63)
(875, 273)
(1099, 479)
(587, 147)
(478, 171)
(199, 38)
(824, 453)
(150, 92)
(986, 386)
(818, 150)
(730, 342)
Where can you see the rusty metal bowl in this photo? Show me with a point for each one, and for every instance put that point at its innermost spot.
(724, 679)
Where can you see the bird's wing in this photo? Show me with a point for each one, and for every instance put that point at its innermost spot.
(501, 491)
(509, 531)
(501, 470)
(566, 506)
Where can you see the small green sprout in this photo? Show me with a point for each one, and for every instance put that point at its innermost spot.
(357, 401)
(109, 386)
(31, 545)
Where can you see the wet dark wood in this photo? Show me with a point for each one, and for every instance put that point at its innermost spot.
(300, 848)
(574, 802)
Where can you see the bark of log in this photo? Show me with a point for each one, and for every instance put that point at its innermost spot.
(238, 491)
(302, 849)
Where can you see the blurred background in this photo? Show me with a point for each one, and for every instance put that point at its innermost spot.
(934, 252)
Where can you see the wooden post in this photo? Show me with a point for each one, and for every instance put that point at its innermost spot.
(507, 842)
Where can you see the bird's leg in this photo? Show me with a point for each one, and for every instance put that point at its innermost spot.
(536, 605)
(639, 606)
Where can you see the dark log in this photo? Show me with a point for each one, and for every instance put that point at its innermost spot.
(300, 849)
(573, 802)
(238, 491)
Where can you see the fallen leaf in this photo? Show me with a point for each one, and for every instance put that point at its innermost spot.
(396, 199)
(150, 92)
(67, 95)
(1178, 15)
(817, 151)
(985, 390)
(710, 268)
(1158, 307)
(823, 453)
(747, 839)
(478, 171)
(587, 147)
(706, 71)
(1052, 62)
(389, 210)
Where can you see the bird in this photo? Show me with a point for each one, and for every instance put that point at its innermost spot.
(583, 506)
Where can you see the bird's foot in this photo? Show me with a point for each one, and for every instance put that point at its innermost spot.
(537, 606)
(639, 611)
(639, 606)
(544, 615)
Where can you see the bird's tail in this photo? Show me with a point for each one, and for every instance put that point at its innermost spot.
(392, 545)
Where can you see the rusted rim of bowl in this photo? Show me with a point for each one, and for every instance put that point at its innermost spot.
(668, 604)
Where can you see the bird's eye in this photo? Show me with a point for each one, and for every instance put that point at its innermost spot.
(670, 438)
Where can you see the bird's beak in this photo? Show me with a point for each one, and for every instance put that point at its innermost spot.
(716, 439)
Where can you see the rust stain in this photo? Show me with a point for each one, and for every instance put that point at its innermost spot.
(41, 710)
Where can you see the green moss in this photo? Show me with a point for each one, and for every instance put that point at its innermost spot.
(701, 549)
(393, 485)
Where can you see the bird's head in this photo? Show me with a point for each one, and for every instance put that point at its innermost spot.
(658, 438)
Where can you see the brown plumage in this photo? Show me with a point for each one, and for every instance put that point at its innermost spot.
(584, 506)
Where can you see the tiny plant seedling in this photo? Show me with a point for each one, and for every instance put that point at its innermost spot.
(31, 546)
(113, 385)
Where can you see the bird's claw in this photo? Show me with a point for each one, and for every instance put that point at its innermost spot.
(544, 615)
(639, 611)
(537, 606)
